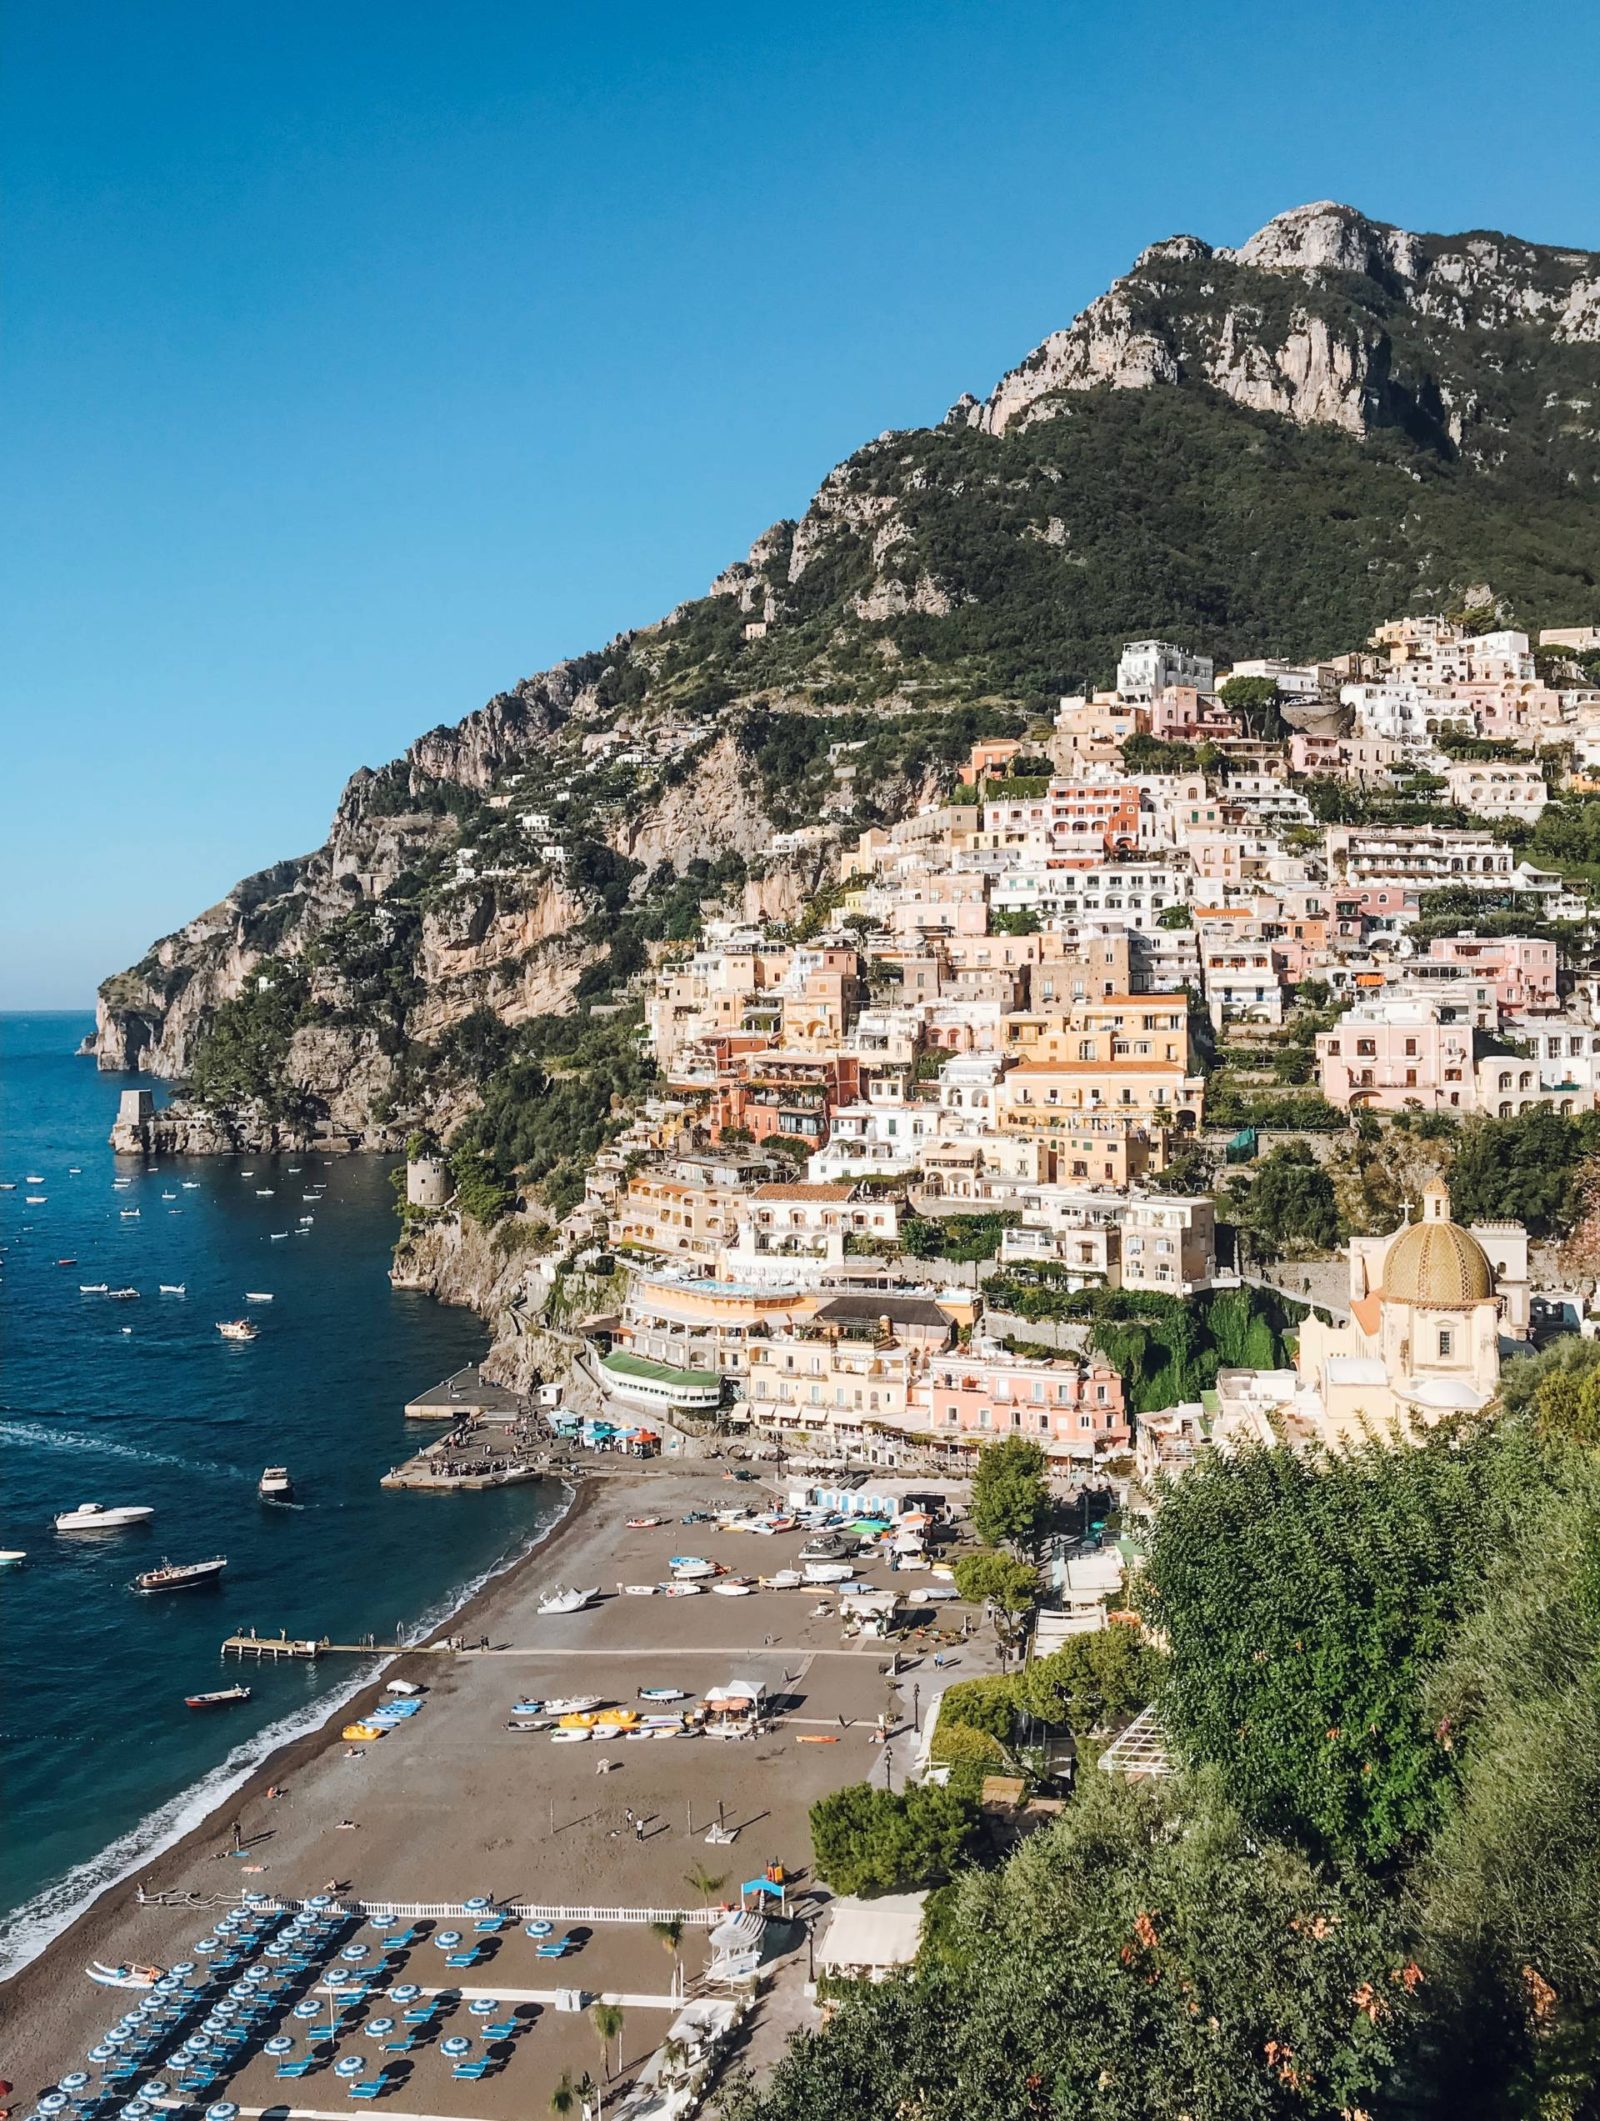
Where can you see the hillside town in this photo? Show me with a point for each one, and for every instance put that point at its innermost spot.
(914, 1157)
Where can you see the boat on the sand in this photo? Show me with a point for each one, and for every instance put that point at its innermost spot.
(124, 1976)
(574, 1705)
(563, 1600)
(662, 1693)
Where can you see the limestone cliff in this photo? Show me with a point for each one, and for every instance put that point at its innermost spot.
(1257, 450)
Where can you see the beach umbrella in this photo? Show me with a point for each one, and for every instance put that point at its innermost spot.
(355, 1951)
(204, 1944)
(254, 1899)
(457, 2045)
(102, 2051)
(477, 1904)
(196, 2044)
(447, 1940)
(183, 1969)
(135, 2110)
(157, 2088)
(53, 2102)
(279, 2044)
(483, 2007)
(383, 1922)
(76, 2080)
(540, 1929)
(379, 2026)
(277, 1949)
(224, 2110)
(307, 2009)
(406, 1992)
(337, 1976)
(320, 1901)
(346, 2066)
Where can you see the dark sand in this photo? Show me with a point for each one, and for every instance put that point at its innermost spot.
(454, 1804)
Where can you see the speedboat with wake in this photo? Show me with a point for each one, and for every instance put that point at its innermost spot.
(97, 1517)
(10, 1556)
(181, 1575)
(275, 1485)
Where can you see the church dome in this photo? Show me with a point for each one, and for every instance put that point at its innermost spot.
(1437, 1264)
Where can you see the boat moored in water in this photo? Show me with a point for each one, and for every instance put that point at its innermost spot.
(238, 1329)
(181, 1575)
(173, 1288)
(96, 1517)
(223, 1698)
(10, 1556)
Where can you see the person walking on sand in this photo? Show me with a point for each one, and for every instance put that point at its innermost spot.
(638, 1830)
(238, 1837)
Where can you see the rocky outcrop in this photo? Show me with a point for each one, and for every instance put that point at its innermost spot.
(1349, 354)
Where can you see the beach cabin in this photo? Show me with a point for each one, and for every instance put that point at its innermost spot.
(734, 1710)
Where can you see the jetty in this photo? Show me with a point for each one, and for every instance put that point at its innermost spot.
(467, 1395)
(307, 1648)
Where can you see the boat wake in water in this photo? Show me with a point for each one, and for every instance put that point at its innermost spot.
(35, 1433)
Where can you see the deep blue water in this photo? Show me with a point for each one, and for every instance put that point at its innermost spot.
(100, 1755)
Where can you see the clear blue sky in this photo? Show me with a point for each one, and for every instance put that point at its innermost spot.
(362, 358)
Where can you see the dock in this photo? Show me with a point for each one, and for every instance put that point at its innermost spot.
(307, 1648)
(467, 1395)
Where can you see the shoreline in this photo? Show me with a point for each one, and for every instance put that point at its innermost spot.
(149, 1873)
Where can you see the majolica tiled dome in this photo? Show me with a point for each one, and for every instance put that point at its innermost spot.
(1437, 1264)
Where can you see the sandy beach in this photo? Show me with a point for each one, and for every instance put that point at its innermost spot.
(455, 1804)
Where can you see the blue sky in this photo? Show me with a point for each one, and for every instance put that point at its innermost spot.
(361, 359)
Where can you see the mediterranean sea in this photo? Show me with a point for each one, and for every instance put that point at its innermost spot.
(144, 1402)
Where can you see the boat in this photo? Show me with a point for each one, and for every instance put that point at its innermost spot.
(10, 1556)
(223, 1698)
(684, 1590)
(275, 1485)
(265, 1192)
(238, 1329)
(191, 1185)
(663, 1693)
(575, 1705)
(74, 1170)
(784, 1580)
(258, 1296)
(169, 1196)
(119, 1185)
(8, 1185)
(35, 1178)
(306, 1221)
(638, 1590)
(527, 1723)
(129, 1215)
(96, 1517)
(181, 1575)
(66, 1262)
(124, 1976)
(562, 1600)
(173, 1288)
(94, 1288)
(642, 1524)
(38, 1200)
(569, 1737)
(362, 1733)
(122, 1296)
(276, 1237)
(247, 1174)
(527, 1708)
(687, 1567)
(732, 1589)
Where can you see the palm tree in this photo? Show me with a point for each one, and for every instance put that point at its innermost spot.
(705, 1882)
(608, 2027)
(564, 2099)
(671, 1935)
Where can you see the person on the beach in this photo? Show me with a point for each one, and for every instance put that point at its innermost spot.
(238, 1837)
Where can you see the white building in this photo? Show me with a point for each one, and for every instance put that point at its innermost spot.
(1149, 667)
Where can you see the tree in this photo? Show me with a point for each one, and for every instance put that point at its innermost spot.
(564, 2099)
(1305, 1603)
(705, 1883)
(1522, 1169)
(998, 1580)
(869, 1841)
(607, 2021)
(1147, 1954)
(1288, 1201)
(1091, 1681)
(1010, 1499)
(670, 1935)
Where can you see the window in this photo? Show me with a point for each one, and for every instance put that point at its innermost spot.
(1446, 1341)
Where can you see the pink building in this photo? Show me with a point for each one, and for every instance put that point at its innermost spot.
(1072, 1409)
(1181, 715)
(1523, 971)
(1386, 1056)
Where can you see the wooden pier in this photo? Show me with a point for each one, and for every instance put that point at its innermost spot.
(308, 1648)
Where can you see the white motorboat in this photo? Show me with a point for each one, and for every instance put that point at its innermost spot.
(662, 1693)
(237, 1329)
(122, 1296)
(173, 1288)
(97, 1517)
(129, 1215)
(638, 1590)
(10, 1556)
(120, 1185)
(575, 1705)
(276, 1237)
(8, 1185)
(94, 1288)
(688, 1568)
(569, 1737)
(562, 1600)
(258, 1296)
(39, 1200)
(191, 1185)
(275, 1485)
(169, 1196)
(35, 1178)
(265, 1192)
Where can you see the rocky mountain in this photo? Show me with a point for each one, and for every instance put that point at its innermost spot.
(1262, 450)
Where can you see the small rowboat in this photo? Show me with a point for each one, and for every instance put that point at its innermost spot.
(663, 1693)
(223, 1698)
(123, 1976)
(642, 1524)
(639, 1590)
(568, 1737)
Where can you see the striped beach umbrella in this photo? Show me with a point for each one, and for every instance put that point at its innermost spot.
(306, 2008)
(447, 1940)
(102, 2051)
(355, 1951)
(319, 1901)
(337, 1976)
(135, 2110)
(483, 2007)
(183, 1968)
(279, 2044)
(157, 2088)
(76, 2080)
(477, 1904)
(383, 1922)
(540, 1929)
(278, 1949)
(406, 1992)
(53, 2102)
(346, 2066)
(457, 2045)
(202, 1945)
